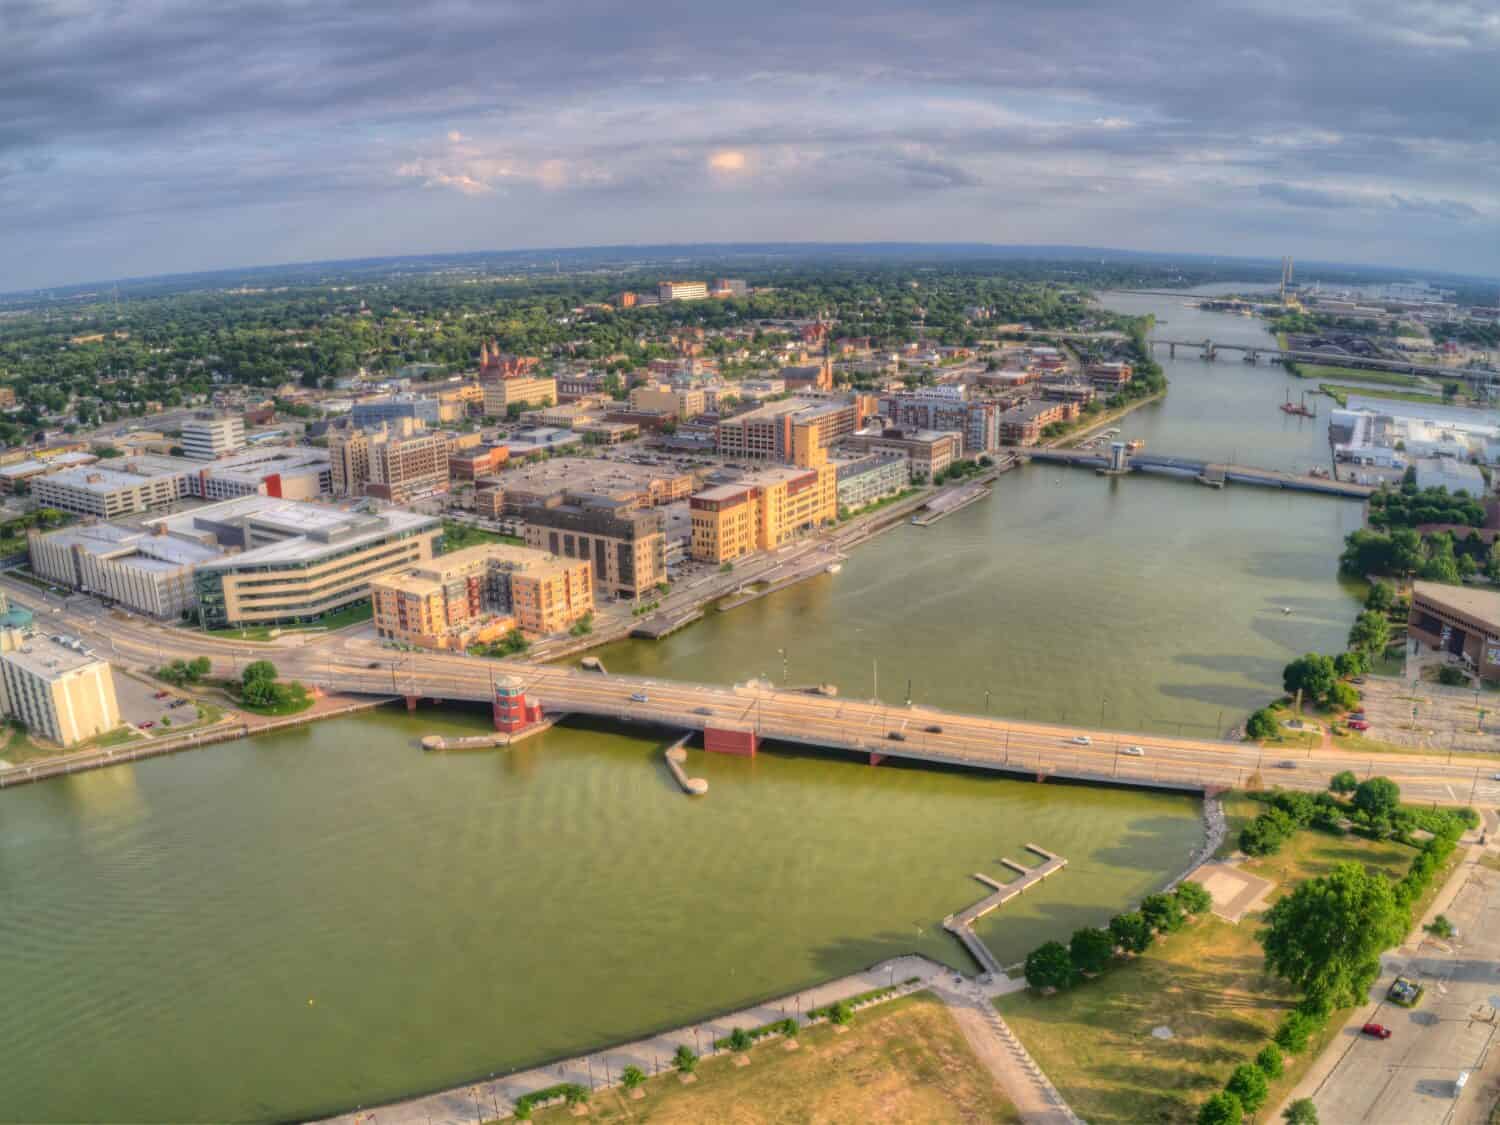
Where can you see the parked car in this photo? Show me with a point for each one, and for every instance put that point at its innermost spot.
(1376, 1030)
(1135, 751)
(1081, 740)
(638, 697)
(147, 725)
(1358, 724)
(1286, 764)
(162, 694)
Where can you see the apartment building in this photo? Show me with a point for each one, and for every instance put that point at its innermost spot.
(682, 290)
(471, 464)
(1109, 378)
(548, 482)
(109, 493)
(396, 464)
(1024, 424)
(208, 436)
(682, 403)
(479, 594)
(57, 687)
(296, 562)
(947, 409)
(871, 478)
(518, 390)
(626, 544)
(771, 432)
(140, 567)
(761, 512)
(927, 452)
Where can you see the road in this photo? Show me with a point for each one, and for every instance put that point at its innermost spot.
(354, 661)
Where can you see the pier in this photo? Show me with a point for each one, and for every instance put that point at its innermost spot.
(961, 925)
(1209, 472)
(676, 755)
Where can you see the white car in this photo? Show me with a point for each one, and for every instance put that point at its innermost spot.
(1081, 740)
(1135, 751)
(638, 697)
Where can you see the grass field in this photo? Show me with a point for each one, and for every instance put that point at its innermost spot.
(352, 615)
(457, 536)
(1207, 983)
(1356, 375)
(902, 1061)
(1340, 394)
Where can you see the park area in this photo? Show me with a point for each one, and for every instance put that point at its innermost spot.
(1152, 1037)
(901, 1061)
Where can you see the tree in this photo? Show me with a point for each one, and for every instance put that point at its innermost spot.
(632, 1077)
(1371, 632)
(1296, 1028)
(1221, 1109)
(1091, 949)
(1352, 663)
(1163, 912)
(1261, 725)
(199, 667)
(258, 670)
(1049, 966)
(1380, 598)
(1343, 782)
(1130, 931)
(1193, 898)
(1312, 675)
(1269, 1061)
(1343, 696)
(1377, 797)
(1326, 937)
(684, 1060)
(1303, 1111)
(1248, 1084)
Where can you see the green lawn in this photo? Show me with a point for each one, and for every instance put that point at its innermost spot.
(1340, 394)
(339, 619)
(457, 536)
(1356, 375)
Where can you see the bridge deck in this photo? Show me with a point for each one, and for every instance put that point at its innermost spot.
(1189, 467)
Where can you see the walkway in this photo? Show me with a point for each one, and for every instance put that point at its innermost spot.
(961, 925)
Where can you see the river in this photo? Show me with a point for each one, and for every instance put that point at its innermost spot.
(300, 923)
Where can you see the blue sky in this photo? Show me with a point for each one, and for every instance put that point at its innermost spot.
(161, 135)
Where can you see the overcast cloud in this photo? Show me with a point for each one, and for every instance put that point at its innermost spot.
(148, 136)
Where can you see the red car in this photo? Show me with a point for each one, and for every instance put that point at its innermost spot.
(1378, 1030)
(146, 725)
(1358, 724)
(162, 694)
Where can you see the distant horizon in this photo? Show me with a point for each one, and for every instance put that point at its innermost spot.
(895, 250)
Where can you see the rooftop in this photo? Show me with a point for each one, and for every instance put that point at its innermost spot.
(1482, 605)
(51, 657)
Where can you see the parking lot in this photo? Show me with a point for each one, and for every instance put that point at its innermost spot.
(1446, 717)
(139, 705)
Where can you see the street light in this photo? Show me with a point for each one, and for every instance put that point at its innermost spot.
(783, 655)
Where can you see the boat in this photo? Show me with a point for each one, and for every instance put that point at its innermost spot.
(834, 568)
(1135, 445)
(1298, 408)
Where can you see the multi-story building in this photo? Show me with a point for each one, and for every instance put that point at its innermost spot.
(109, 493)
(927, 452)
(1108, 378)
(1069, 390)
(808, 376)
(495, 364)
(142, 568)
(948, 409)
(349, 457)
(397, 464)
(14, 478)
(870, 479)
(471, 464)
(296, 561)
(396, 408)
(208, 436)
(1024, 424)
(548, 482)
(730, 287)
(769, 432)
(682, 403)
(761, 512)
(477, 595)
(573, 386)
(1459, 621)
(682, 290)
(519, 390)
(57, 687)
(625, 544)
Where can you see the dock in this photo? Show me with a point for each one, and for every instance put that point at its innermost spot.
(660, 625)
(961, 925)
(487, 741)
(948, 503)
(676, 755)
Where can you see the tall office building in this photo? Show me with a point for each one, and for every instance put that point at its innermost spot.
(208, 436)
(58, 688)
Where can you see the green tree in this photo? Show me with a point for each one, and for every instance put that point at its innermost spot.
(1380, 598)
(632, 1077)
(1091, 949)
(1297, 1027)
(258, 670)
(1163, 912)
(740, 1040)
(1303, 1111)
(1268, 1059)
(1248, 1084)
(1379, 796)
(1261, 725)
(1343, 782)
(1130, 931)
(685, 1060)
(1350, 664)
(1221, 1109)
(1343, 696)
(1371, 632)
(199, 667)
(1049, 966)
(1193, 897)
(1312, 675)
(1326, 937)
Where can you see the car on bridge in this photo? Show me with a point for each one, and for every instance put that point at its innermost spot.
(1135, 751)
(703, 710)
(896, 736)
(639, 697)
(1081, 740)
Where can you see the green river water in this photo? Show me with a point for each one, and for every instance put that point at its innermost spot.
(294, 925)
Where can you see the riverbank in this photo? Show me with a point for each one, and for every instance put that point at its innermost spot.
(1099, 422)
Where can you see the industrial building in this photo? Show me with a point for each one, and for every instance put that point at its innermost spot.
(57, 687)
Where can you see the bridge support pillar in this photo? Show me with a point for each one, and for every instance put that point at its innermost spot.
(741, 743)
(1040, 777)
(411, 702)
(876, 759)
(1172, 351)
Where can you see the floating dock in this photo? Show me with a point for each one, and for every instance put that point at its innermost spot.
(961, 925)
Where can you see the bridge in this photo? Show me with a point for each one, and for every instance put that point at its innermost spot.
(1209, 349)
(1209, 472)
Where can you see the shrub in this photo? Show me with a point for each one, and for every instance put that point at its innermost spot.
(1452, 675)
(840, 1014)
(1221, 1109)
(1248, 1084)
(740, 1040)
(1269, 1061)
(632, 1077)
(1261, 725)
(1296, 1028)
(685, 1060)
(1303, 1111)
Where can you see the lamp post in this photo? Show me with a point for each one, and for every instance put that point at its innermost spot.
(986, 701)
(782, 653)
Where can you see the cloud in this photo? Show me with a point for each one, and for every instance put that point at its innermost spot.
(727, 160)
(1334, 199)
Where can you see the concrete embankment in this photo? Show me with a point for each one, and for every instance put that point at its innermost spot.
(487, 741)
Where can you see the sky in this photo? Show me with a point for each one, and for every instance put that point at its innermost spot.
(142, 137)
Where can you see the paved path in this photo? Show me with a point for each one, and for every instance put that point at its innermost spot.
(1014, 1070)
(492, 1097)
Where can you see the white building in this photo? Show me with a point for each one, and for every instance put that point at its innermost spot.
(207, 436)
(148, 569)
(109, 493)
(57, 687)
(1445, 472)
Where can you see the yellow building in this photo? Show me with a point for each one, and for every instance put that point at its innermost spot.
(683, 403)
(60, 690)
(761, 512)
(479, 594)
(523, 390)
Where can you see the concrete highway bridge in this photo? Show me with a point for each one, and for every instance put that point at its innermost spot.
(1209, 472)
(1209, 349)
